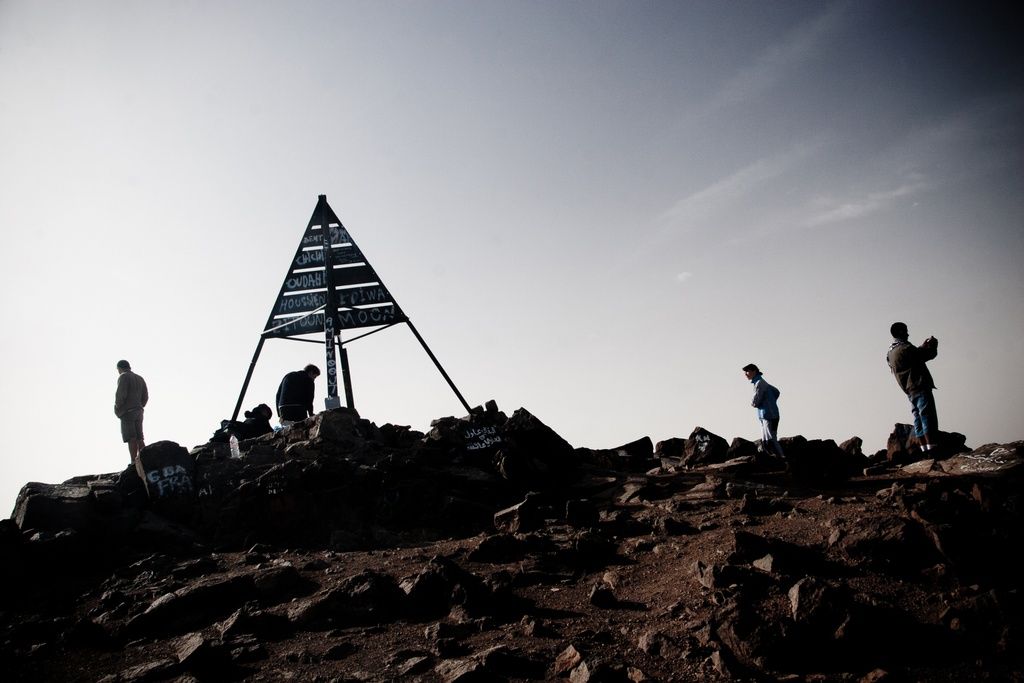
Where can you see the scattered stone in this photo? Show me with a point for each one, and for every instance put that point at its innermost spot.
(521, 517)
(340, 651)
(460, 671)
(567, 660)
(658, 644)
(602, 595)
(150, 671)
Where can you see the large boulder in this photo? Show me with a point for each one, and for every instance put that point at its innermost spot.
(674, 448)
(903, 447)
(704, 448)
(529, 434)
(819, 461)
(989, 458)
(169, 471)
(52, 507)
(105, 503)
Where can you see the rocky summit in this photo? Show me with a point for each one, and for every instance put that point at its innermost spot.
(490, 549)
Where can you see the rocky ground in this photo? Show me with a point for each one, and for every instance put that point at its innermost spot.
(490, 549)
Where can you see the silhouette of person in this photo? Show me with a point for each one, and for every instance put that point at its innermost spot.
(295, 395)
(908, 364)
(130, 399)
(257, 422)
(766, 401)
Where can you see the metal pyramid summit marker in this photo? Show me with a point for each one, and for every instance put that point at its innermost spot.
(330, 287)
(330, 276)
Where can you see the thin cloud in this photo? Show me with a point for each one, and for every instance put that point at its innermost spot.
(833, 211)
(683, 276)
(732, 189)
(775, 62)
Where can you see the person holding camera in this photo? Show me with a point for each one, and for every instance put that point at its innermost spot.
(909, 366)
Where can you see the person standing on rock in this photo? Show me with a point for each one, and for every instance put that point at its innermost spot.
(130, 399)
(908, 364)
(766, 402)
(295, 395)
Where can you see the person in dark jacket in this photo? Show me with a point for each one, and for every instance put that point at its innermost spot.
(257, 422)
(908, 365)
(295, 395)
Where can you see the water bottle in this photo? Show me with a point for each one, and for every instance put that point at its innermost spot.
(233, 441)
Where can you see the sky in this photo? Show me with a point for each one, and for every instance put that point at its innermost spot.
(599, 211)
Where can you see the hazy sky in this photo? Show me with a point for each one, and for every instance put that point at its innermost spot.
(599, 211)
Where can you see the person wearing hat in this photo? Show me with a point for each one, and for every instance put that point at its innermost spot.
(257, 422)
(908, 364)
(130, 399)
(766, 402)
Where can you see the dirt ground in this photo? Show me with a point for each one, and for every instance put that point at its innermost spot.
(660, 624)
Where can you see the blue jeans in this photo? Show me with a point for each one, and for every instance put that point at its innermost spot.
(926, 420)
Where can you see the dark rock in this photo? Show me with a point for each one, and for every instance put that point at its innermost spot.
(673, 448)
(504, 662)
(150, 671)
(819, 461)
(636, 456)
(52, 507)
(408, 662)
(169, 471)
(990, 458)
(195, 568)
(590, 549)
(740, 448)
(196, 653)
(670, 526)
(581, 513)
(462, 671)
(521, 517)
(703, 448)
(903, 447)
(736, 578)
(622, 523)
(339, 427)
(567, 660)
(814, 602)
(602, 595)
(155, 531)
(641, 448)
(751, 641)
(482, 435)
(365, 598)
(753, 505)
(853, 446)
(192, 606)
(710, 489)
(786, 558)
(658, 643)
(279, 582)
(498, 548)
(890, 544)
(340, 651)
(244, 649)
(443, 585)
(530, 435)
(260, 624)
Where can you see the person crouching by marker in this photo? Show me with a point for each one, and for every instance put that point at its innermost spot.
(295, 395)
(766, 401)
